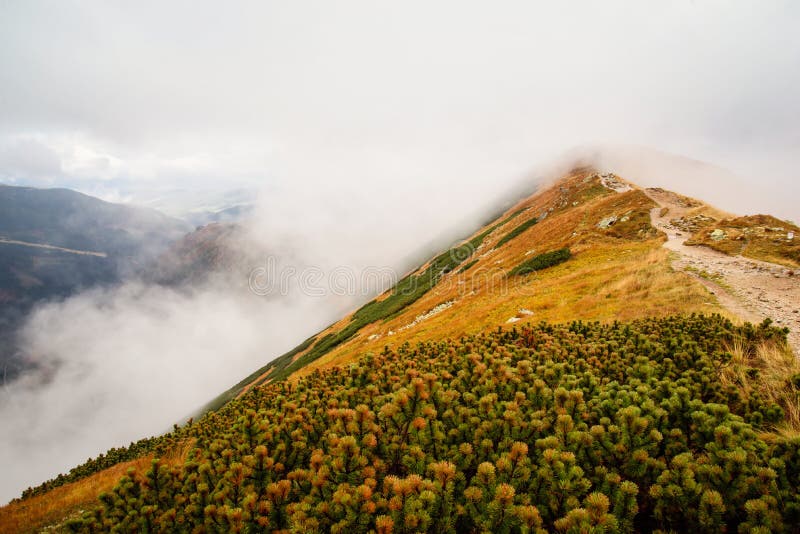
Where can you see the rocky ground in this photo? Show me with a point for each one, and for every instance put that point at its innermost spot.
(751, 289)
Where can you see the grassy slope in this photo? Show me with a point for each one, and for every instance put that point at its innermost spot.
(620, 273)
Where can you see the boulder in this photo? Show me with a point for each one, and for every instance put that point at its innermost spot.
(607, 222)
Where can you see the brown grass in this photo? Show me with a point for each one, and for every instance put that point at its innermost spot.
(57, 505)
(767, 369)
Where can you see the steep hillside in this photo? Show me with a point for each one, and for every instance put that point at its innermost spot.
(452, 400)
(616, 258)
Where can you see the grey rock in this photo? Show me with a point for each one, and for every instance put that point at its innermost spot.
(607, 222)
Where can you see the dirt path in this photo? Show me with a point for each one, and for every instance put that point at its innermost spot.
(750, 289)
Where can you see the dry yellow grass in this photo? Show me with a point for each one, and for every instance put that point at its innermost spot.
(32, 514)
(56, 506)
(768, 370)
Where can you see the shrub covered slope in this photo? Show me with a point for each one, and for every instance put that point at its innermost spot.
(580, 427)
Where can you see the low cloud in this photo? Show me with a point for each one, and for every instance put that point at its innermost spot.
(121, 364)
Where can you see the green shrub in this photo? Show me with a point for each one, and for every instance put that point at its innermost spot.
(541, 261)
(516, 231)
(581, 427)
(468, 265)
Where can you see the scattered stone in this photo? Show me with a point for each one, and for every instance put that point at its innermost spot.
(525, 311)
(428, 314)
(513, 320)
(607, 222)
(790, 236)
(693, 223)
(373, 337)
(611, 181)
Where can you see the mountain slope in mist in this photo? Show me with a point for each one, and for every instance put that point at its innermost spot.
(215, 250)
(466, 289)
(584, 248)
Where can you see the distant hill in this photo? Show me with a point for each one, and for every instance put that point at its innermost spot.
(55, 242)
(69, 219)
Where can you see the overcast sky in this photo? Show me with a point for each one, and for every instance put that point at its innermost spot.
(366, 94)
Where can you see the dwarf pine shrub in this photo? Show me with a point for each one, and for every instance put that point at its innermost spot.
(516, 231)
(541, 261)
(580, 427)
